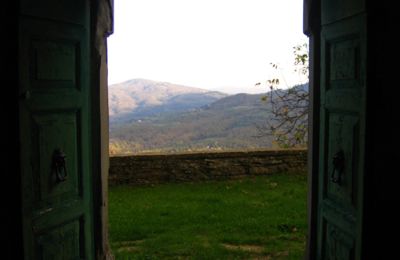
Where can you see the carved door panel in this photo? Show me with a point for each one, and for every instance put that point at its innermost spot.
(55, 129)
(342, 128)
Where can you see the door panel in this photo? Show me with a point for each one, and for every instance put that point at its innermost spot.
(55, 129)
(339, 244)
(53, 53)
(61, 242)
(61, 57)
(50, 131)
(343, 133)
(342, 128)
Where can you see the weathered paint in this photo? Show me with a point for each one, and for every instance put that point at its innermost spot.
(54, 113)
(342, 130)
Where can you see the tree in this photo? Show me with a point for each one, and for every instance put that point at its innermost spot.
(289, 107)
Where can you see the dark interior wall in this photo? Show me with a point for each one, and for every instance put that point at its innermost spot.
(382, 182)
(11, 200)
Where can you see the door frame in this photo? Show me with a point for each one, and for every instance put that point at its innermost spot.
(102, 26)
(312, 28)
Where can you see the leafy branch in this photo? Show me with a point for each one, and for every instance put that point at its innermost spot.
(289, 107)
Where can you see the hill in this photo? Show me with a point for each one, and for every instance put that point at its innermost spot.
(227, 123)
(148, 116)
(134, 99)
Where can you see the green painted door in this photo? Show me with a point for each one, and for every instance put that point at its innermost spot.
(342, 129)
(55, 129)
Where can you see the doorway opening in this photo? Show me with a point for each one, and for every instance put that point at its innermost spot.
(152, 116)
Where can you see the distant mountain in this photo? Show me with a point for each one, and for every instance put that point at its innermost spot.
(171, 118)
(138, 98)
(228, 123)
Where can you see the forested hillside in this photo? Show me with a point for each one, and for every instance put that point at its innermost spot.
(169, 118)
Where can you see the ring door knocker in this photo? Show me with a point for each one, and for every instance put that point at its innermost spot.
(338, 167)
(58, 165)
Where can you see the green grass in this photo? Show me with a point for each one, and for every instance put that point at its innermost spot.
(255, 218)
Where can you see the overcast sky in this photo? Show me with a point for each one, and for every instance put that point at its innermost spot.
(224, 45)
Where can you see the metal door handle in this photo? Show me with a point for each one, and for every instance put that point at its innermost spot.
(338, 167)
(25, 95)
(58, 165)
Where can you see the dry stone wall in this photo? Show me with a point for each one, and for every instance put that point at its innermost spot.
(151, 169)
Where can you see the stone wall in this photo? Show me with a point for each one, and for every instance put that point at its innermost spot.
(149, 169)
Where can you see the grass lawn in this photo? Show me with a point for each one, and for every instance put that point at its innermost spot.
(260, 217)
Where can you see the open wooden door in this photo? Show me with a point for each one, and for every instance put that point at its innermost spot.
(55, 129)
(339, 83)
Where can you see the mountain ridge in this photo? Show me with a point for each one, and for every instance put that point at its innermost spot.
(137, 98)
(222, 122)
(218, 121)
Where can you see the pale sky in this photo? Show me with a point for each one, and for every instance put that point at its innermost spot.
(224, 45)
